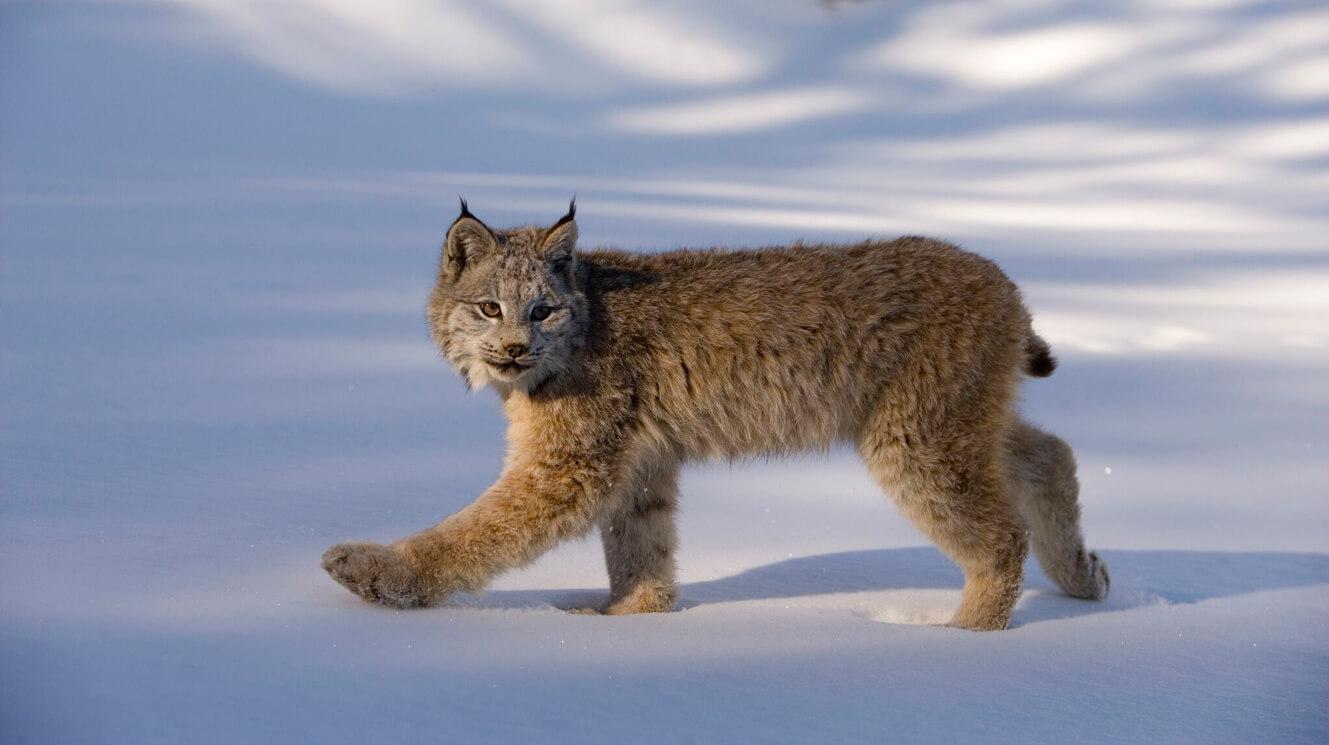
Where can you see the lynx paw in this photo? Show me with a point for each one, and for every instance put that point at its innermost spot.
(1091, 578)
(978, 622)
(376, 573)
(644, 598)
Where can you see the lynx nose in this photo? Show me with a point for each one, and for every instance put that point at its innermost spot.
(515, 350)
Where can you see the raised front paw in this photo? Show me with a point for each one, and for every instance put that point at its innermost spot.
(376, 573)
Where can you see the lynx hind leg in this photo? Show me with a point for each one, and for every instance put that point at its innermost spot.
(1040, 470)
(639, 537)
(957, 500)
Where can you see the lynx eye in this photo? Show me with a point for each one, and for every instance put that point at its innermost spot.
(540, 312)
(491, 309)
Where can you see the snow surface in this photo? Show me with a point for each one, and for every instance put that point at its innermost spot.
(219, 222)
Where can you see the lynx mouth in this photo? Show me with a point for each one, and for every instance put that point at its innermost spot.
(509, 368)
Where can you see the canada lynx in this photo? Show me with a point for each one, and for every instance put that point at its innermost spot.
(616, 368)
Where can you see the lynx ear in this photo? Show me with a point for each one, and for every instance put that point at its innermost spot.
(560, 241)
(468, 239)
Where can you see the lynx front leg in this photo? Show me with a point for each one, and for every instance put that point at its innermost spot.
(538, 502)
(639, 538)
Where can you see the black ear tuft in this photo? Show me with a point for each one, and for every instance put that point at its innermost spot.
(468, 238)
(466, 215)
(572, 214)
(560, 241)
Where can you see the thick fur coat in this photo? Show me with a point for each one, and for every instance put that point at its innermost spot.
(617, 368)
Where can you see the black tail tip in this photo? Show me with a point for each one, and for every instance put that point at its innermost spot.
(1040, 363)
(1038, 359)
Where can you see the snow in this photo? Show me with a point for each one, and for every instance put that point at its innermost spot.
(218, 226)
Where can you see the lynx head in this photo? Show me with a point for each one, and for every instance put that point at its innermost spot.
(506, 309)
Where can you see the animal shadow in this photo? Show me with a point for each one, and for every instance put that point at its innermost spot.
(1138, 578)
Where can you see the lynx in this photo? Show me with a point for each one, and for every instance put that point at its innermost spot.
(615, 369)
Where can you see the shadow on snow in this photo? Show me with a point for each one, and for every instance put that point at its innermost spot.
(1139, 578)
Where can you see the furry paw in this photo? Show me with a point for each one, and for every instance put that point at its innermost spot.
(1102, 581)
(645, 598)
(376, 573)
(1091, 580)
(977, 622)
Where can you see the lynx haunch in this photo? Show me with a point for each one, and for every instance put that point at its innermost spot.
(617, 368)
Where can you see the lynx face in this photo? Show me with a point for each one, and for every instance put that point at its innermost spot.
(506, 309)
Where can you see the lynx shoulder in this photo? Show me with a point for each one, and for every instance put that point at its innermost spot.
(617, 368)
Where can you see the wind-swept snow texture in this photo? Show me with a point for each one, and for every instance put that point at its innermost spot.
(219, 222)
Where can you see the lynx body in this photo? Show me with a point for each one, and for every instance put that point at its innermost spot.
(616, 368)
